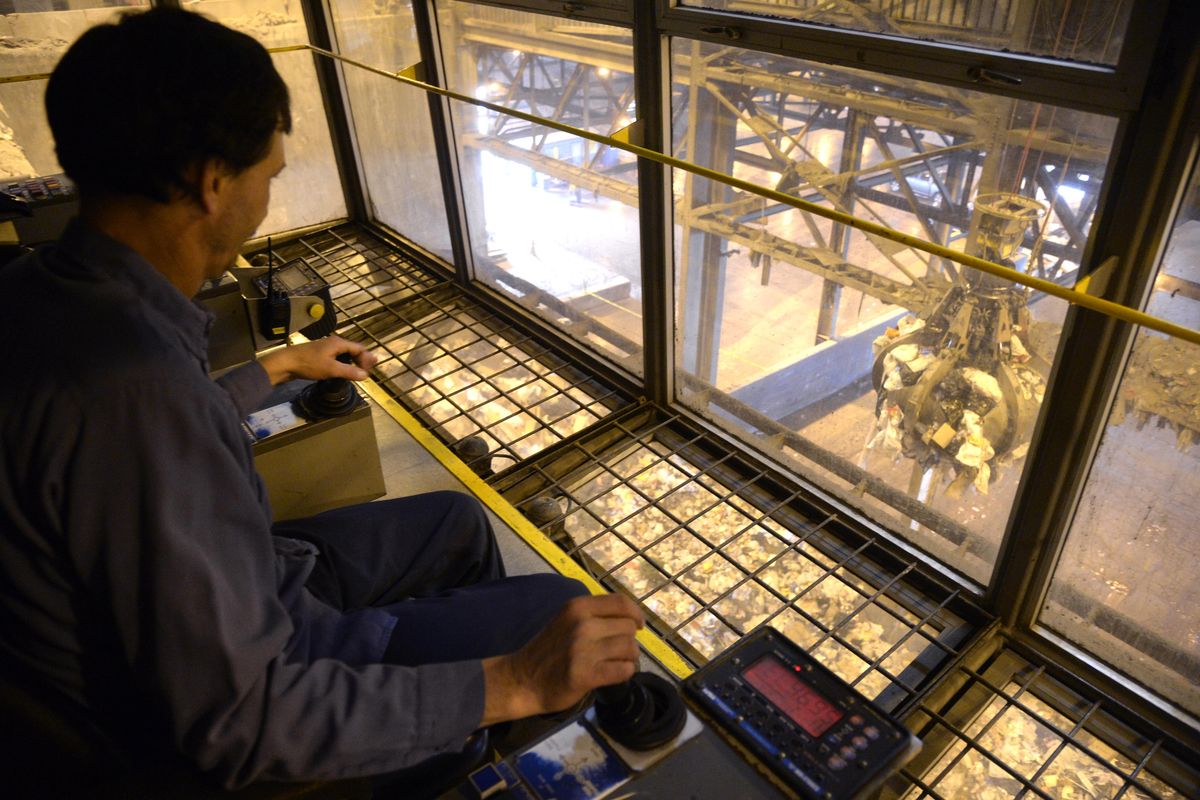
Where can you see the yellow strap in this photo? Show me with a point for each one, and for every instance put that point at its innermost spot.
(1073, 296)
(554, 556)
(414, 72)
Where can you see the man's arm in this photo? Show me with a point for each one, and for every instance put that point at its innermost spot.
(176, 543)
(250, 384)
(317, 360)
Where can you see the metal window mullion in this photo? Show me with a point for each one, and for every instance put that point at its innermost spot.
(1131, 225)
(441, 121)
(1078, 85)
(655, 207)
(609, 12)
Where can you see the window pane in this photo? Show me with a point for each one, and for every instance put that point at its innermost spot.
(553, 217)
(309, 191)
(391, 122)
(905, 384)
(1125, 587)
(33, 34)
(1090, 32)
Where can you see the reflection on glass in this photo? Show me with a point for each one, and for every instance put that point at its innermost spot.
(33, 34)
(391, 122)
(1091, 32)
(1125, 587)
(309, 191)
(553, 217)
(906, 384)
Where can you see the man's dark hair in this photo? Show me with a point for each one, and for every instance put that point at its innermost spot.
(135, 106)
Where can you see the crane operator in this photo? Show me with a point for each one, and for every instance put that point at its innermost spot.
(141, 577)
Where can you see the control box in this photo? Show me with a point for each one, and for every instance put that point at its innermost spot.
(291, 298)
(38, 208)
(819, 736)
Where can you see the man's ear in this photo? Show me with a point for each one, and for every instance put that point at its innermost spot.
(211, 179)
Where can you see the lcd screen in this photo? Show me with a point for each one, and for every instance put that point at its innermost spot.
(292, 278)
(791, 695)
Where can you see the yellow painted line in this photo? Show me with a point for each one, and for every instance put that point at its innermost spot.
(560, 561)
(1107, 307)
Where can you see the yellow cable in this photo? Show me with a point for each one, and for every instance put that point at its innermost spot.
(1107, 307)
(560, 561)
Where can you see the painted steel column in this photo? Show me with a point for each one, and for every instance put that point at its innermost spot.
(1134, 218)
(850, 161)
(712, 131)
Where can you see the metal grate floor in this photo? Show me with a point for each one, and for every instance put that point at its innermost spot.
(1013, 730)
(492, 391)
(712, 548)
(363, 271)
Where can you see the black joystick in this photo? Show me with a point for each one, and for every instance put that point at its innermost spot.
(642, 713)
(332, 397)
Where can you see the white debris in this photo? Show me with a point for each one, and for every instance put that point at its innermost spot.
(908, 324)
(974, 452)
(982, 477)
(920, 363)
(983, 383)
(1019, 353)
(888, 434)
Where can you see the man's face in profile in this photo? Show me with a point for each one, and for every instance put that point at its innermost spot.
(244, 208)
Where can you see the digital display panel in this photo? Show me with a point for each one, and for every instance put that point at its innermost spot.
(292, 278)
(791, 695)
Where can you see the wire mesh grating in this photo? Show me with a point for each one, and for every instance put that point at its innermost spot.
(485, 386)
(712, 548)
(362, 270)
(1014, 730)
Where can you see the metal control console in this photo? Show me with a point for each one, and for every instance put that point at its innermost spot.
(38, 209)
(816, 733)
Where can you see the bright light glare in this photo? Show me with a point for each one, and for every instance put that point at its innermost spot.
(1072, 195)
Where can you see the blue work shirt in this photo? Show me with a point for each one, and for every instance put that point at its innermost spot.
(138, 573)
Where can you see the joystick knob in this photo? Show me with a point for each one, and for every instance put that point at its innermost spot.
(642, 713)
(332, 397)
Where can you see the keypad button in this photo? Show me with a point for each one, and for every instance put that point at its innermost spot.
(856, 720)
(871, 732)
(860, 742)
(836, 763)
(847, 753)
